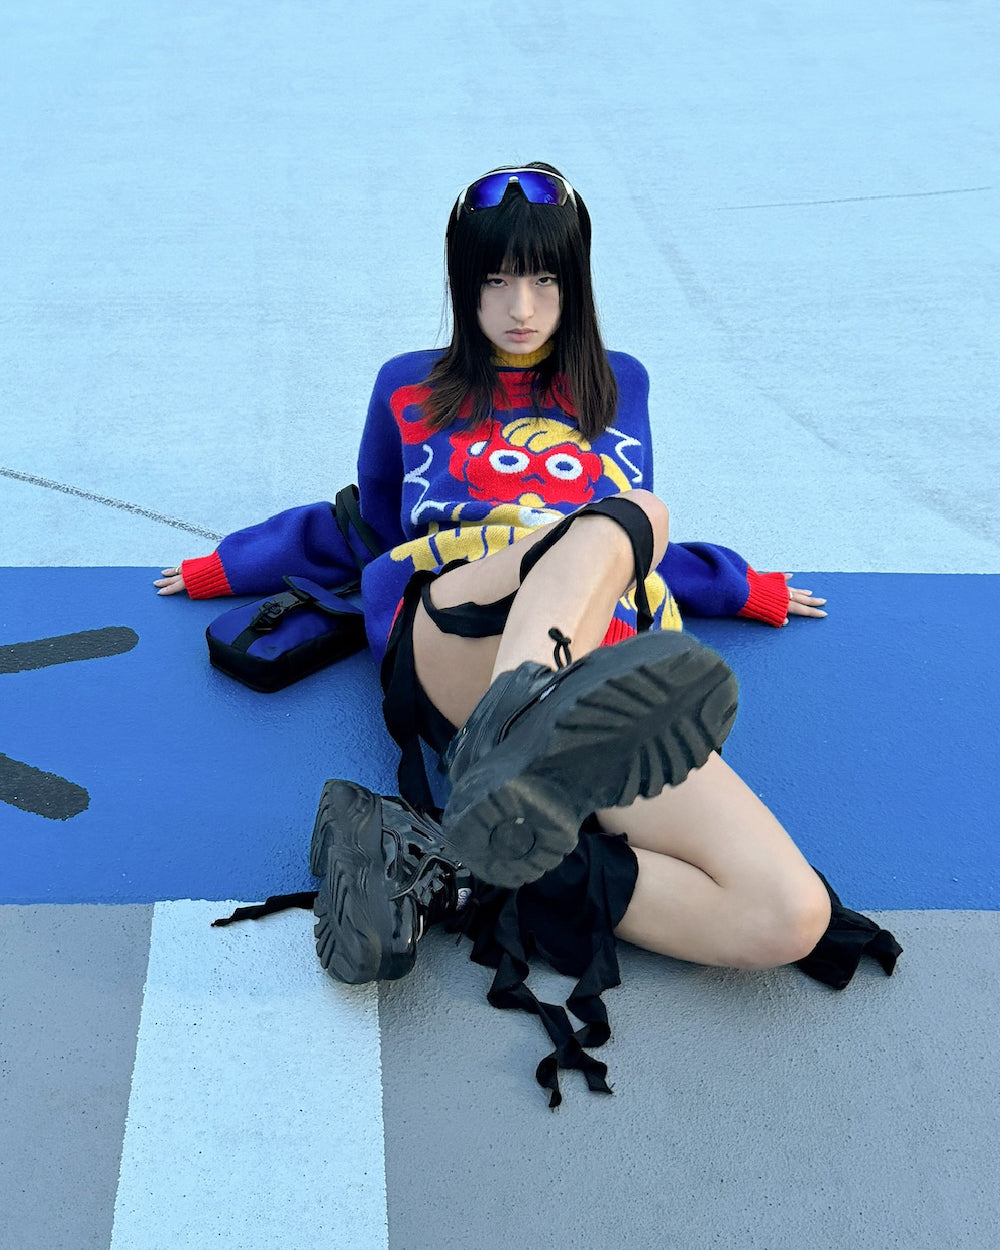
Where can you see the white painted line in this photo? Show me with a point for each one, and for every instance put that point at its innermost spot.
(255, 1117)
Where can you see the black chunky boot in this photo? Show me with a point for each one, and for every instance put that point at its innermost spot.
(385, 878)
(544, 749)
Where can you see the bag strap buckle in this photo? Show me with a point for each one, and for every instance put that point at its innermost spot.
(270, 614)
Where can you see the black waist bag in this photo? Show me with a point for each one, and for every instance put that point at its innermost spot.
(269, 644)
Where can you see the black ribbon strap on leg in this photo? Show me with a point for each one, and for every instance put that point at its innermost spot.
(566, 918)
(401, 702)
(469, 620)
(633, 520)
(499, 943)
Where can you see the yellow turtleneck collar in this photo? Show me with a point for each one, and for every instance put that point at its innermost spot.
(507, 361)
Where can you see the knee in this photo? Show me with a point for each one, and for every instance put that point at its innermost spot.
(620, 531)
(787, 927)
(658, 516)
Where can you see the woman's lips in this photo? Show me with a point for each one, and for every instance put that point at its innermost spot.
(520, 334)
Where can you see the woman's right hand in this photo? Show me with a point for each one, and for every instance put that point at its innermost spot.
(171, 583)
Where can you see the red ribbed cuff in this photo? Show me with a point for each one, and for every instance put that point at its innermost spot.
(204, 578)
(768, 598)
(618, 631)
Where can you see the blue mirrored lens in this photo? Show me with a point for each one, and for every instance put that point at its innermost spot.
(541, 188)
(538, 188)
(487, 192)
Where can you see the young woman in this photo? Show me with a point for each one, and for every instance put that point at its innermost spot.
(525, 614)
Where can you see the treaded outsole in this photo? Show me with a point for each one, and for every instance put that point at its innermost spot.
(362, 933)
(512, 818)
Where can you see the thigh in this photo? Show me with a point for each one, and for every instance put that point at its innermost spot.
(496, 575)
(454, 671)
(716, 823)
(487, 579)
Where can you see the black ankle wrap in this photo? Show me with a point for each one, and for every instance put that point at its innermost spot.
(849, 936)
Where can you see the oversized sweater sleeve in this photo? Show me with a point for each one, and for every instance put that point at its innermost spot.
(707, 580)
(307, 541)
(304, 541)
(380, 460)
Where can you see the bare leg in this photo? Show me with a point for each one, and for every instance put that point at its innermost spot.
(720, 882)
(575, 586)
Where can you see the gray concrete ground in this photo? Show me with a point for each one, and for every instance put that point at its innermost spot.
(750, 1111)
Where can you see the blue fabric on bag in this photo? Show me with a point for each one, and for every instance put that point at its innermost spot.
(271, 643)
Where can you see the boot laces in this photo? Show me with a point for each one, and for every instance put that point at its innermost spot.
(421, 871)
(434, 890)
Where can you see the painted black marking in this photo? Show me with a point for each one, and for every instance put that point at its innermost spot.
(22, 785)
(88, 644)
(122, 504)
(849, 199)
(43, 794)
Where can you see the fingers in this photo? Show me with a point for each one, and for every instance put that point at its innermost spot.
(802, 602)
(171, 583)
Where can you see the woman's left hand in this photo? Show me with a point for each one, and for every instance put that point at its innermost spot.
(802, 602)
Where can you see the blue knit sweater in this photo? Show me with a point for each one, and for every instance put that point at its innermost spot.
(464, 492)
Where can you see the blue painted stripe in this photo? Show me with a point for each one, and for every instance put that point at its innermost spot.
(868, 733)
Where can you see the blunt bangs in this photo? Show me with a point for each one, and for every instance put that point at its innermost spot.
(522, 238)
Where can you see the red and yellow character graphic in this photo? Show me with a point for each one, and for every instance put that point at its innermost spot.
(517, 475)
(536, 463)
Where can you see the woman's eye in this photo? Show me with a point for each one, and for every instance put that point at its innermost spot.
(548, 279)
(494, 282)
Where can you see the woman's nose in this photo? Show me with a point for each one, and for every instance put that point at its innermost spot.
(520, 301)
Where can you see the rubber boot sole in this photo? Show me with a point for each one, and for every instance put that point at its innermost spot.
(632, 719)
(362, 933)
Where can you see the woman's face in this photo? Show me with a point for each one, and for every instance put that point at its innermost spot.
(519, 313)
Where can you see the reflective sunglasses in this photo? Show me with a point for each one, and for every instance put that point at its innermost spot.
(536, 185)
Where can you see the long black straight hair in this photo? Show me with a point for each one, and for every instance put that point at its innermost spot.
(520, 238)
